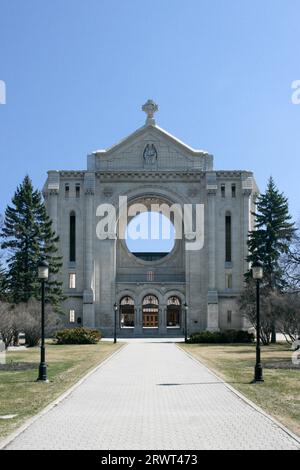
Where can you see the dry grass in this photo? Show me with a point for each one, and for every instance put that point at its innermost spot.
(279, 395)
(20, 394)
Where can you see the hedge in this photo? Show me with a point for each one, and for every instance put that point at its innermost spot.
(77, 336)
(228, 336)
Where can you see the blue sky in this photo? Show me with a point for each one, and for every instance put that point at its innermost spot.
(150, 232)
(77, 73)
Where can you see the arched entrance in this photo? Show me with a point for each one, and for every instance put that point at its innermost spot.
(150, 311)
(174, 312)
(126, 312)
(151, 274)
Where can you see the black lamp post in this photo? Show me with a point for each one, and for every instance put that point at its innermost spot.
(43, 275)
(257, 274)
(186, 307)
(115, 322)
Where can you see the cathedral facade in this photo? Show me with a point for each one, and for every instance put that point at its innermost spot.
(157, 294)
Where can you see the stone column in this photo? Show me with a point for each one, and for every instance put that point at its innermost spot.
(52, 198)
(162, 320)
(106, 253)
(247, 191)
(247, 185)
(52, 204)
(212, 294)
(88, 294)
(138, 322)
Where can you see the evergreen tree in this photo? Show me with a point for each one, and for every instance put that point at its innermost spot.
(2, 283)
(2, 270)
(272, 234)
(271, 238)
(28, 237)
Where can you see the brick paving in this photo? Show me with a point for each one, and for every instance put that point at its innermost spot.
(153, 396)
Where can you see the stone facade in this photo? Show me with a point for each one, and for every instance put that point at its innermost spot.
(152, 166)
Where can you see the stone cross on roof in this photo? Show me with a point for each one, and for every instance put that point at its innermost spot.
(150, 107)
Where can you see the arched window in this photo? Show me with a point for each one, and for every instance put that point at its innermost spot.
(228, 236)
(150, 300)
(72, 237)
(150, 311)
(126, 312)
(174, 301)
(173, 312)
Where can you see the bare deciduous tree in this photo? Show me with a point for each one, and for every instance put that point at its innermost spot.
(287, 308)
(26, 318)
(247, 303)
(7, 323)
(29, 321)
(291, 262)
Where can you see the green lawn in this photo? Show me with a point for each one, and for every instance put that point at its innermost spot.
(20, 394)
(279, 395)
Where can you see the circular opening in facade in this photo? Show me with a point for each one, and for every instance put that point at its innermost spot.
(150, 236)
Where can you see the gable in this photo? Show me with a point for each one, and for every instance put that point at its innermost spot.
(150, 147)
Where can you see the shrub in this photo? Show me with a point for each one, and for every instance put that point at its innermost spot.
(77, 336)
(228, 336)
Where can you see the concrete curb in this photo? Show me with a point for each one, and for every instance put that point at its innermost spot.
(6, 441)
(245, 399)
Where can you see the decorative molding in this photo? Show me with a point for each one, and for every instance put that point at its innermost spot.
(141, 172)
(247, 186)
(212, 297)
(165, 193)
(72, 174)
(233, 174)
(53, 191)
(212, 189)
(89, 192)
(150, 176)
(229, 293)
(89, 183)
(108, 192)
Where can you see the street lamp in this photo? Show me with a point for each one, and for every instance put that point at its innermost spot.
(43, 275)
(186, 307)
(115, 322)
(257, 274)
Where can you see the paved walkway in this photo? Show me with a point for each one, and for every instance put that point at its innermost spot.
(153, 396)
